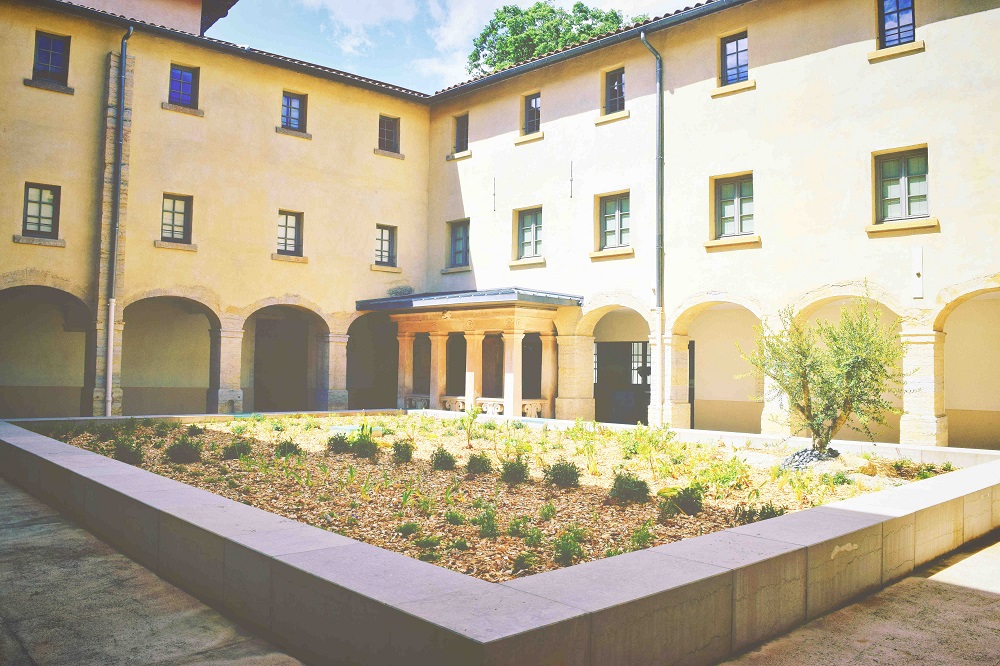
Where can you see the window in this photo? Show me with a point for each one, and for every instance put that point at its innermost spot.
(896, 25)
(614, 221)
(293, 112)
(175, 220)
(902, 185)
(385, 245)
(51, 58)
(533, 113)
(461, 133)
(290, 233)
(41, 211)
(735, 59)
(529, 233)
(183, 86)
(641, 362)
(388, 134)
(459, 253)
(614, 91)
(734, 206)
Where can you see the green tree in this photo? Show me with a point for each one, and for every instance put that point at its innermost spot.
(514, 35)
(831, 372)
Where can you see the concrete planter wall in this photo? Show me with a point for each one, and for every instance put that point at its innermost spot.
(329, 599)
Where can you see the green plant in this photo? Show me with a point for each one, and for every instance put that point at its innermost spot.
(518, 527)
(566, 547)
(547, 512)
(628, 488)
(533, 537)
(468, 423)
(238, 449)
(458, 544)
(338, 443)
(454, 517)
(947, 467)
(831, 372)
(563, 473)
(162, 428)
(402, 451)
(428, 556)
(514, 471)
(687, 500)
(194, 430)
(748, 513)
(129, 450)
(487, 522)
(925, 471)
(585, 436)
(287, 448)
(365, 447)
(429, 541)
(479, 463)
(425, 504)
(184, 450)
(524, 561)
(442, 460)
(408, 528)
(642, 537)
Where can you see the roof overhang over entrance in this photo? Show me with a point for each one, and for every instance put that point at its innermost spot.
(488, 298)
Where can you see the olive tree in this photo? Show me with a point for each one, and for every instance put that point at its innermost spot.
(829, 372)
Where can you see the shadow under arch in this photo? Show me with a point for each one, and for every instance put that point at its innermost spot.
(372, 362)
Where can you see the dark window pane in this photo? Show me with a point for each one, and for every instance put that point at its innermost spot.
(41, 211)
(388, 134)
(532, 113)
(735, 59)
(461, 133)
(615, 91)
(183, 86)
(51, 58)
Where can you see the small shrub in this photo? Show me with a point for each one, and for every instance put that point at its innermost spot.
(287, 448)
(428, 556)
(365, 447)
(194, 430)
(442, 460)
(566, 547)
(547, 512)
(408, 529)
(427, 542)
(926, 471)
(129, 450)
(402, 451)
(524, 561)
(947, 467)
(454, 517)
(458, 544)
(628, 488)
(642, 537)
(519, 526)
(233, 484)
(487, 522)
(425, 505)
(338, 443)
(238, 449)
(688, 500)
(533, 537)
(184, 451)
(479, 463)
(564, 474)
(745, 514)
(514, 471)
(162, 428)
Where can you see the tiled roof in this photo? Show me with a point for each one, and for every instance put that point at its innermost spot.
(213, 10)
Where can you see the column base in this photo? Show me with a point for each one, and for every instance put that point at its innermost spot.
(571, 409)
(336, 400)
(116, 402)
(923, 430)
(227, 401)
(680, 415)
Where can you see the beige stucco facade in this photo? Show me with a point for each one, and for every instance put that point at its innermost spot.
(209, 325)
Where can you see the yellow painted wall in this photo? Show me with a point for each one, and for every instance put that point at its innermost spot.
(972, 373)
(622, 325)
(180, 14)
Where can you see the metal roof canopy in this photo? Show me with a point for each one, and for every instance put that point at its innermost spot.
(470, 298)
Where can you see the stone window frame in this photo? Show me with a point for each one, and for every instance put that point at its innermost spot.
(465, 253)
(389, 134)
(56, 191)
(385, 245)
(613, 103)
(195, 83)
(283, 217)
(45, 74)
(286, 111)
(186, 220)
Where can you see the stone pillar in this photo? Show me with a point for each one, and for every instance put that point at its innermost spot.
(513, 358)
(404, 386)
(575, 399)
(225, 395)
(676, 354)
(550, 365)
(336, 384)
(923, 422)
(657, 365)
(439, 368)
(473, 367)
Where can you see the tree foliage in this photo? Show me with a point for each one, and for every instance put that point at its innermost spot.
(514, 35)
(831, 372)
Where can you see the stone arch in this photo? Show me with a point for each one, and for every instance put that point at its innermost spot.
(689, 310)
(33, 277)
(299, 303)
(198, 296)
(622, 362)
(806, 305)
(599, 305)
(950, 298)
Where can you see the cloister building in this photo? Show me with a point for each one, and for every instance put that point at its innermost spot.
(542, 241)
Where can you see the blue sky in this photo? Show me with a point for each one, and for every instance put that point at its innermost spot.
(419, 44)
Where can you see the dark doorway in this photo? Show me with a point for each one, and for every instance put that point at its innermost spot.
(455, 370)
(493, 366)
(280, 367)
(531, 366)
(422, 364)
(372, 362)
(621, 390)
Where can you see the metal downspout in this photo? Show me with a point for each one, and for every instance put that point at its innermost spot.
(116, 196)
(659, 170)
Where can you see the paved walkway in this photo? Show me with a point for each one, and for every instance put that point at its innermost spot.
(947, 613)
(66, 597)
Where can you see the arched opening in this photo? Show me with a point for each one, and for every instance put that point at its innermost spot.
(283, 363)
(372, 362)
(721, 394)
(531, 366)
(455, 365)
(45, 335)
(422, 364)
(830, 311)
(166, 356)
(493, 366)
(972, 372)
(621, 367)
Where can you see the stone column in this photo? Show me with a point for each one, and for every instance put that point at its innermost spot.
(225, 395)
(923, 422)
(473, 367)
(439, 368)
(675, 352)
(404, 386)
(655, 415)
(513, 358)
(550, 367)
(575, 399)
(336, 385)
